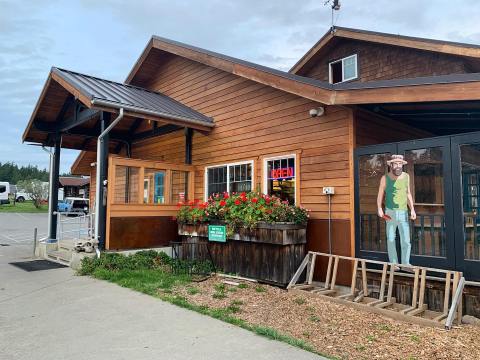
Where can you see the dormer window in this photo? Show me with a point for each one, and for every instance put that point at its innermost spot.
(343, 69)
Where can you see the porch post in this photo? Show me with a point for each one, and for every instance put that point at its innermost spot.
(55, 169)
(188, 156)
(188, 146)
(102, 168)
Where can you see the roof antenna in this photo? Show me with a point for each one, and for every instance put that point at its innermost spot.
(335, 5)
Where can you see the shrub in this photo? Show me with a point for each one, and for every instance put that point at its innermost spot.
(244, 210)
(149, 259)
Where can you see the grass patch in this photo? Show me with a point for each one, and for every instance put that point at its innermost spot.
(314, 318)
(237, 302)
(371, 338)
(260, 289)
(192, 290)
(25, 207)
(300, 301)
(232, 289)
(384, 327)
(219, 295)
(243, 286)
(415, 338)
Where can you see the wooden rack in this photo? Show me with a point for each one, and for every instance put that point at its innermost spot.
(361, 297)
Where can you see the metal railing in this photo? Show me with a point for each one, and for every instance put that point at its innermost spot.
(427, 234)
(79, 227)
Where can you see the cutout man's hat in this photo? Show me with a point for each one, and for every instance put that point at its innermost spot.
(396, 159)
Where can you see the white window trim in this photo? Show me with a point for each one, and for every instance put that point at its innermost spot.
(330, 78)
(265, 172)
(205, 189)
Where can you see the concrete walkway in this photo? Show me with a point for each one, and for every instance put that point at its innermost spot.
(53, 314)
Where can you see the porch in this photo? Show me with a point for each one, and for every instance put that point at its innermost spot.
(441, 143)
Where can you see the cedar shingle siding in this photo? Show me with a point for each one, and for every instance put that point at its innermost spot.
(384, 62)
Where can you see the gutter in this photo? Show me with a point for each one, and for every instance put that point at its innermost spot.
(100, 102)
(100, 161)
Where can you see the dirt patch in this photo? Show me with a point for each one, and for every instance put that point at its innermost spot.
(334, 329)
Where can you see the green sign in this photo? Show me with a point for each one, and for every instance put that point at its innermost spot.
(217, 233)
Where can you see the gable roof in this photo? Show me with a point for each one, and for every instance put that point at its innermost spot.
(73, 181)
(430, 88)
(100, 94)
(106, 92)
(439, 46)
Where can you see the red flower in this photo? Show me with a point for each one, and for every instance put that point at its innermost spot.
(267, 201)
(237, 202)
(202, 205)
(223, 203)
(254, 200)
(180, 204)
(191, 202)
(225, 195)
(243, 194)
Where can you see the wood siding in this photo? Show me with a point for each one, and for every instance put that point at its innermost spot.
(255, 121)
(371, 129)
(385, 62)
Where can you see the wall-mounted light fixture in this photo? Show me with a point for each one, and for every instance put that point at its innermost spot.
(317, 112)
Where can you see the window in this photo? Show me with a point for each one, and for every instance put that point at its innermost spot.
(280, 177)
(229, 178)
(343, 70)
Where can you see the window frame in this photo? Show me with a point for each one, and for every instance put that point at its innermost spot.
(279, 157)
(205, 189)
(342, 60)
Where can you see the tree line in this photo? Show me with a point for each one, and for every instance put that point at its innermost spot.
(13, 174)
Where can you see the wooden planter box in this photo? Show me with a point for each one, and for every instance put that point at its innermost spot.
(270, 253)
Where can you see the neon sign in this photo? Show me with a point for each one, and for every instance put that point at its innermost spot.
(282, 173)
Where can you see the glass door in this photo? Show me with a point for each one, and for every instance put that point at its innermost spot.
(466, 180)
(432, 232)
(370, 230)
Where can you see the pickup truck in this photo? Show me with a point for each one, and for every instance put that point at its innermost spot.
(74, 205)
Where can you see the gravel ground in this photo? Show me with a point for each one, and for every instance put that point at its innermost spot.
(334, 329)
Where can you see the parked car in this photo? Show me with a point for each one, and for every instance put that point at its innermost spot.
(21, 196)
(74, 205)
(4, 191)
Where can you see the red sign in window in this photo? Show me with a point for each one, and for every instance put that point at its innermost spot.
(282, 173)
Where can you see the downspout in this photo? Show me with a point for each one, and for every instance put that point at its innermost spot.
(50, 189)
(98, 180)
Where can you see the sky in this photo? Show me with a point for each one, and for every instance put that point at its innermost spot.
(105, 38)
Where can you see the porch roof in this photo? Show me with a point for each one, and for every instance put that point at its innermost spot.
(72, 100)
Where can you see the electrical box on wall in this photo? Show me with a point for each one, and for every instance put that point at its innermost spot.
(328, 190)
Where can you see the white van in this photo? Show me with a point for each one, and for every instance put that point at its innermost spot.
(4, 191)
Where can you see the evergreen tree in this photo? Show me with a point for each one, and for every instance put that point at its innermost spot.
(11, 173)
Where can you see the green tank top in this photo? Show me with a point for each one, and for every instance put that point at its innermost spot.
(396, 193)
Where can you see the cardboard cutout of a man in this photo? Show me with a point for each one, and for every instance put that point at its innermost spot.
(396, 188)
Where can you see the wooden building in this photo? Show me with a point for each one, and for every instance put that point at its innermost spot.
(195, 122)
(75, 186)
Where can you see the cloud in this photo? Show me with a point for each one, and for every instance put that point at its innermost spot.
(104, 38)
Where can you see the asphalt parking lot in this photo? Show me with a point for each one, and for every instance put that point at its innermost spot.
(18, 228)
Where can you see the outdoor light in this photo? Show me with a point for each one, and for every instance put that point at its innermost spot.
(317, 112)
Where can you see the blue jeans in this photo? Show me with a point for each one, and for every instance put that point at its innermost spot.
(400, 220)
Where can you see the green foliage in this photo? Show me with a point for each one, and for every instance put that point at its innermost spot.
(192, 290)
(13, 174)
(24, 207)
(35, 189)
(300, 301)
(260, 289)
(314, 318)
(415, 338)
(244, 210)
(243, 286)
(149, 259)
(219, 295)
